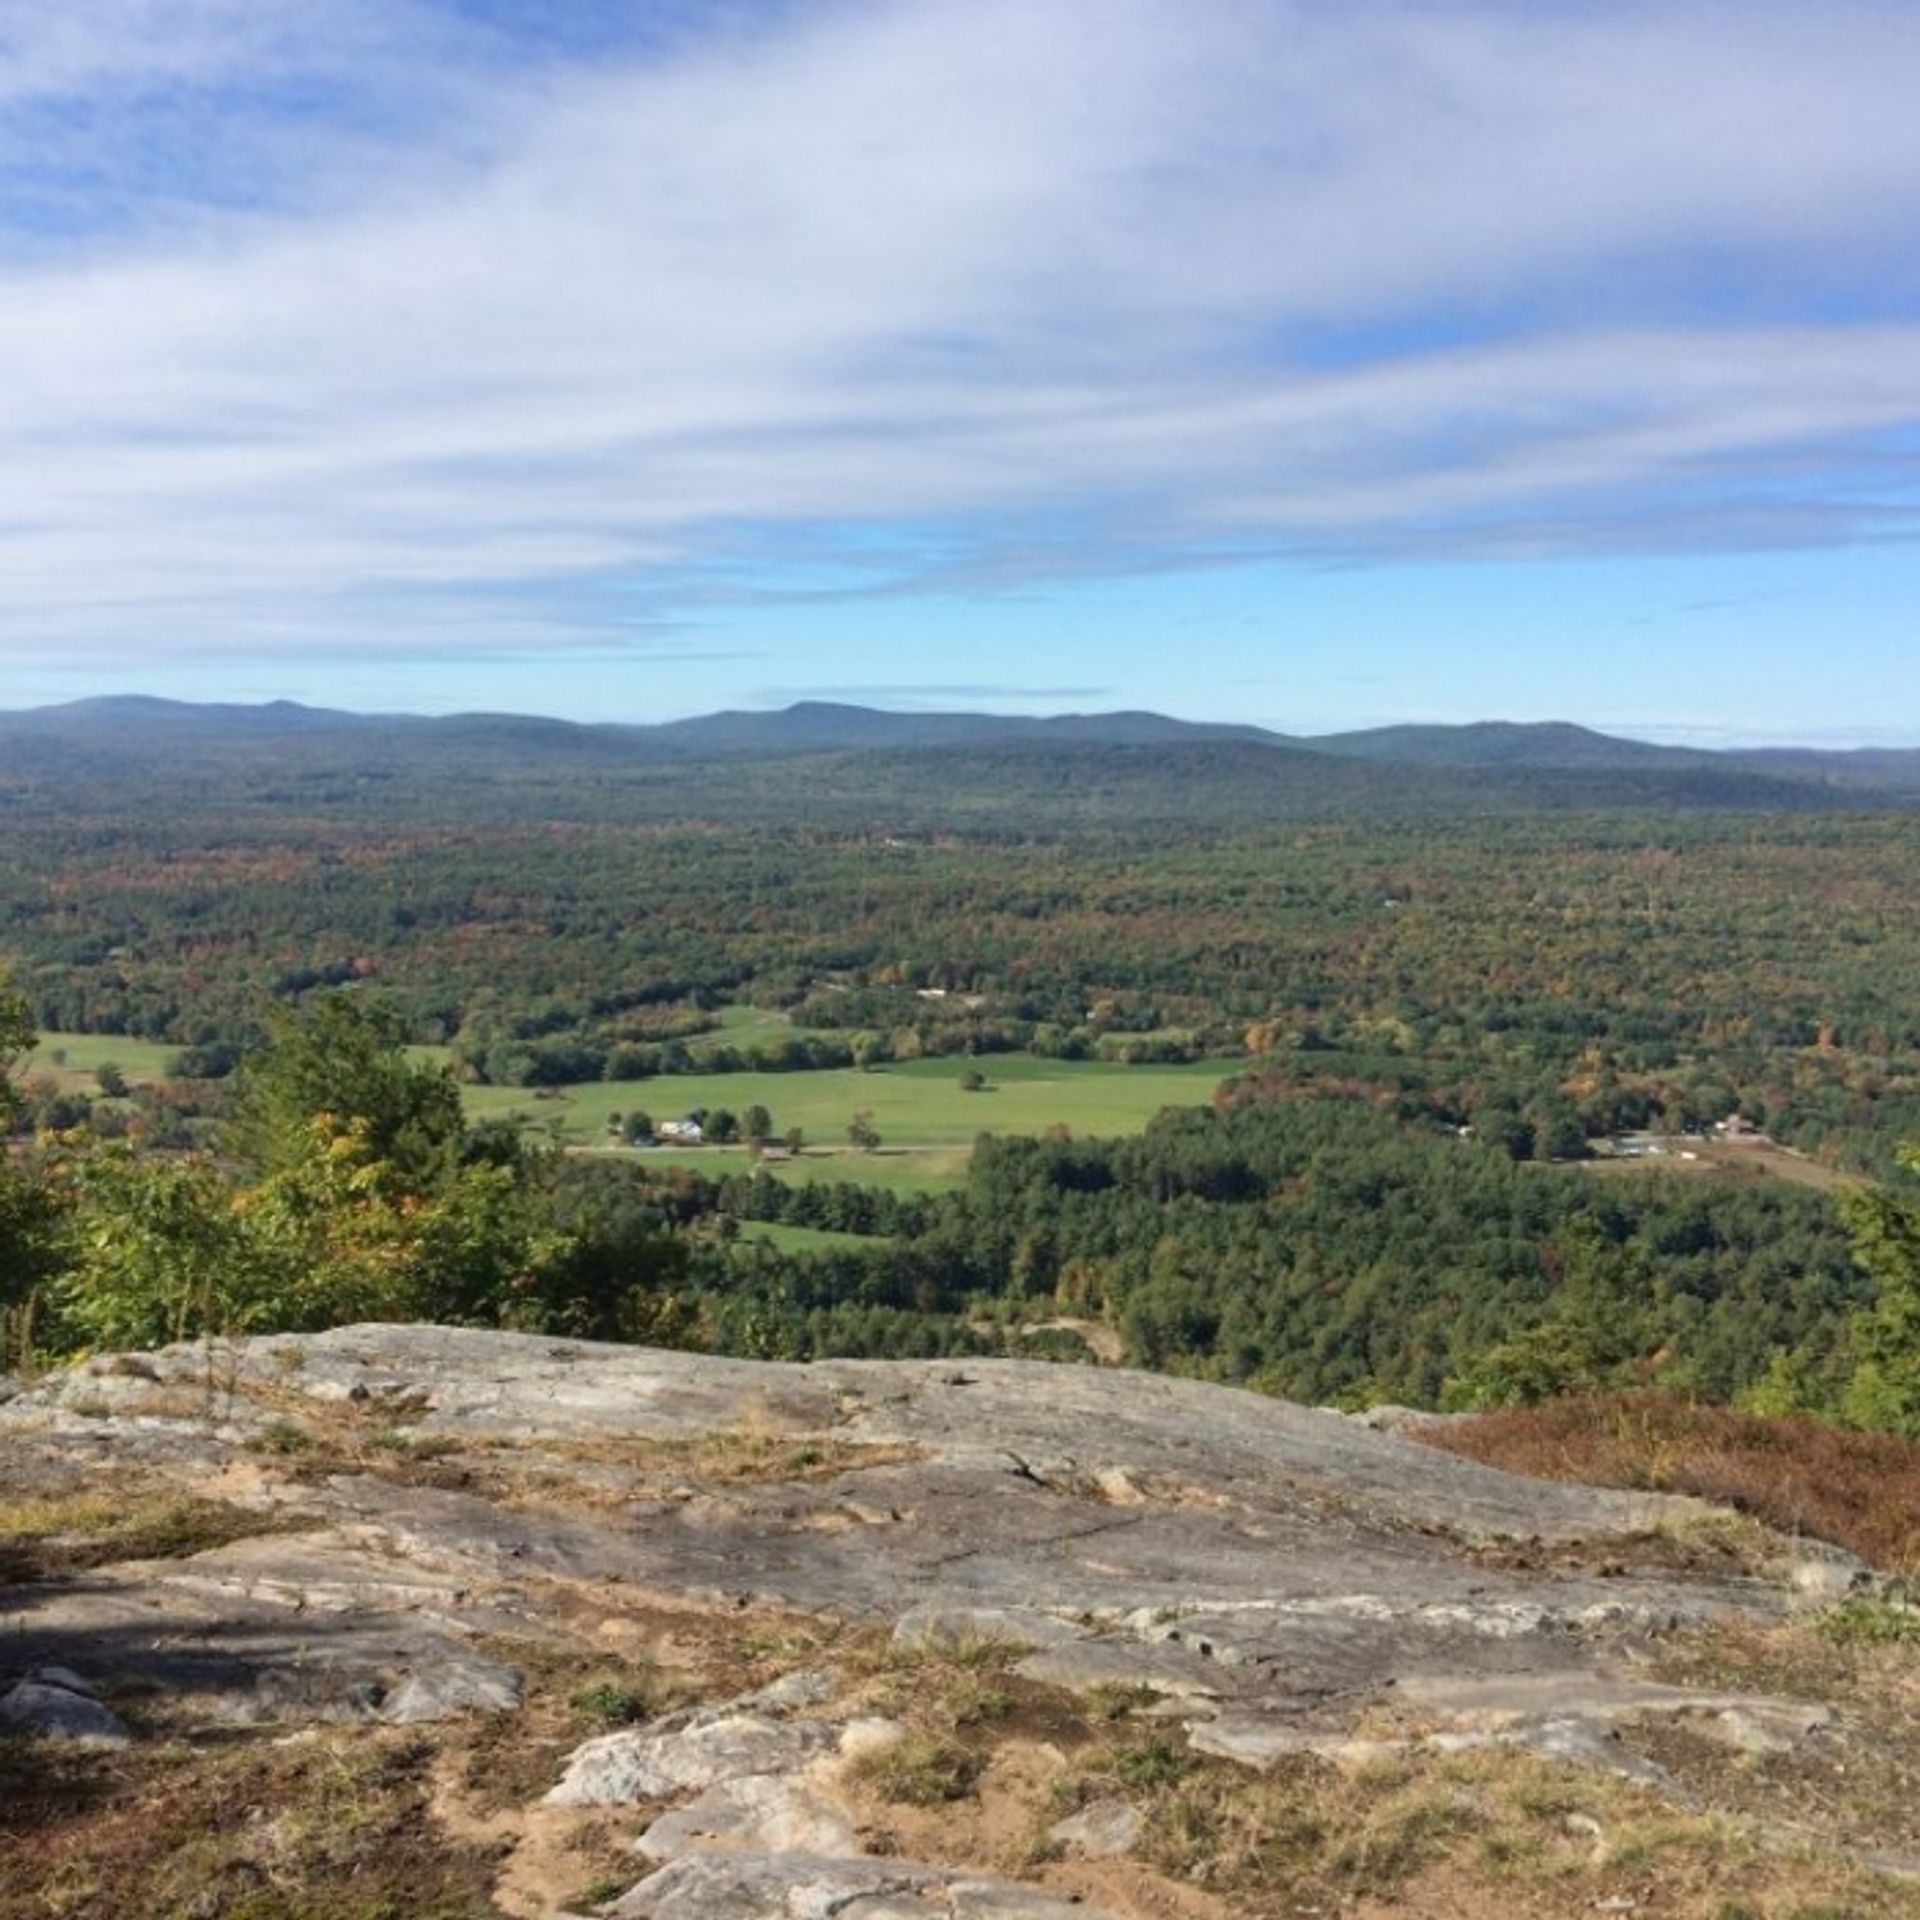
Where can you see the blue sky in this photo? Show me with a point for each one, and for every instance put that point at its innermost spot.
(1315, 365)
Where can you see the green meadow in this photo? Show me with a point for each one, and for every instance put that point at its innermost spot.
(74, 1058)
(927, 1121)
(744, 1026)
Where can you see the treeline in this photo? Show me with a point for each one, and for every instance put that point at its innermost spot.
(484, 1061)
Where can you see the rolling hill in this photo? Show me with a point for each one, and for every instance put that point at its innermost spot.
(826, 761)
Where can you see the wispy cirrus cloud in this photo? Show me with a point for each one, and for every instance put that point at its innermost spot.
(959, 295)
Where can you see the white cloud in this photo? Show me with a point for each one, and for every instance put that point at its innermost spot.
(1045, 285)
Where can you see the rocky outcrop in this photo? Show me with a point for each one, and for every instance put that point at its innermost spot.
(1267, 1580)
(54, 1703)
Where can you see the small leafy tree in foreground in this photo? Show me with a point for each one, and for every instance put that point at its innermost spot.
(17, 1040)
(1884, 1391)
(343, 1058)
(360, 1194)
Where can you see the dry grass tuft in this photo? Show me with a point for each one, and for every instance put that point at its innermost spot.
(334, 1827)
(923, 1770)
(1476, 1834)
(731, 1457)
(43, 1536)
(952, 1686)
(313, 1441)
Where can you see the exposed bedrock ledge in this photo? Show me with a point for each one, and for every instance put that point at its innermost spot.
(1266, 1579)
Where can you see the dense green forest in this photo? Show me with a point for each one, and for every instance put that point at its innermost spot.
(1595, 971)
(1326, 1251)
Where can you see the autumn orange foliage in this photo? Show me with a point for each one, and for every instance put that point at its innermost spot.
(1860, 1491)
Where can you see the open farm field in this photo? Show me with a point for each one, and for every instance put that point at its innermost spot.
(914, 1104)
(72, 1059)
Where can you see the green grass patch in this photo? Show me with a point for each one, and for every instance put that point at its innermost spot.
(743, 1026)
(622, 1701)
(74, 1058)
(916, 1105)
(776, 1233)
(1872, 1621)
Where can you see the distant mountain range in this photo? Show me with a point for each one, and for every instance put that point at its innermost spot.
(819, 726)
(858, 755)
